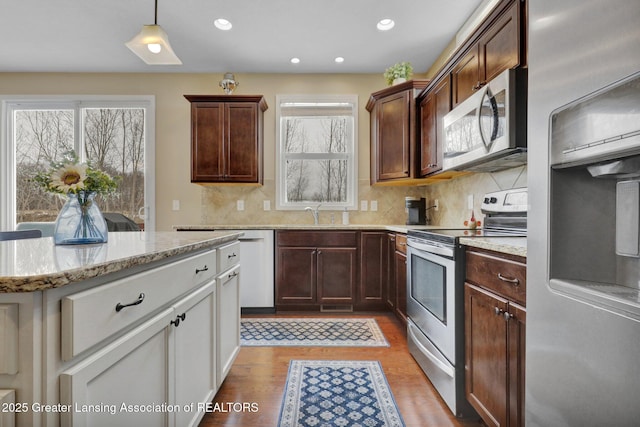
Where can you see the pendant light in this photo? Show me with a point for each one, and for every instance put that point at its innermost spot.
(152, 45)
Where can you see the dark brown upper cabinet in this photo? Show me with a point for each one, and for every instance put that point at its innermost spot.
(393, 131)
(226, 138)
(433, 107)
(500, 46)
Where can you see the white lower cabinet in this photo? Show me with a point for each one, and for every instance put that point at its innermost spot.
(133, 370)
(156, 374)
(228, 324)
(195, 354)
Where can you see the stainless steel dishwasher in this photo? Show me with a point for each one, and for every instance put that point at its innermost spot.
(257, 293)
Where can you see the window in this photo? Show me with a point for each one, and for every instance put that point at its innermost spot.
(316, 151)
(112, 134)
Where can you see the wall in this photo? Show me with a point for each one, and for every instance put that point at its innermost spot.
(198, 204)
(217, 204)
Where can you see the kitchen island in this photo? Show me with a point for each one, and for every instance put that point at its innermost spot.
(138, 331)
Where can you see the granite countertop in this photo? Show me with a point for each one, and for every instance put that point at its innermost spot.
(507, 245)
(398, 228)
(37, 264)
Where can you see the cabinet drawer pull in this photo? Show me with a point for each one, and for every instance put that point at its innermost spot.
(232, 255)
(232, 275)
(513, 280)
(136, 302)
(200, 270)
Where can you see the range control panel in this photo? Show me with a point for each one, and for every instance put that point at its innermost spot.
(507, 201)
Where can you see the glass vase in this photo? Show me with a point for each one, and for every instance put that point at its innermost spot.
(80, 221)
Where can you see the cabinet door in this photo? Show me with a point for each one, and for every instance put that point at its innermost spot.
(393, 136)
(517, 327)
(135, 369)
(486, 353)
(296, 275)
(242, 153)
(391, 272)
(401, 285)
(372, 292)
(465, 77)
(337, 275)
(433, 108)
(207, 135)
(195, 369)
(499, 47)
(228, 326)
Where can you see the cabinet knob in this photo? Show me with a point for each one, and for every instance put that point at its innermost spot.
(179, 317)
(498, 311)
(507, 315)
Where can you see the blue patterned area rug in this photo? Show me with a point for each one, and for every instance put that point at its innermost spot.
(323, 393)
(311, 332)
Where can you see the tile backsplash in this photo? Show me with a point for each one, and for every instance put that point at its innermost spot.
(219, 203)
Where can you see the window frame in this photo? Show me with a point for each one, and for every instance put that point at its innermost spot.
(10, 103)
(351, 157)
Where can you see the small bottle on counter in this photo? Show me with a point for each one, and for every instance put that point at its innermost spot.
(345, 217)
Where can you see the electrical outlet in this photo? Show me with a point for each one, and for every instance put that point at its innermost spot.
(374, 205)
(470, 201)
(240, 205)
(436, 205)
(176, 205)
(266, 205)
(363, 205)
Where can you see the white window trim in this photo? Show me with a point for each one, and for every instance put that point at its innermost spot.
(352, 202)
(7, 152)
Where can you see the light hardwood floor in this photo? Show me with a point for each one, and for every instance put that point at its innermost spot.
(259, 374)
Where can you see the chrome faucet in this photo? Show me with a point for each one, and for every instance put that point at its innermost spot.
(315, 212)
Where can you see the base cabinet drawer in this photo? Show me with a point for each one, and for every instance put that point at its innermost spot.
(93, 315)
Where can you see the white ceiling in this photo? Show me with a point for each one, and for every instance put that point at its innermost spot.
(89, 35)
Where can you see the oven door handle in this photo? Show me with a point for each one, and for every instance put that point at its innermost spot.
(442, 366)
(426, 247)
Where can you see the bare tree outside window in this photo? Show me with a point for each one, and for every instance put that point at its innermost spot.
(317, 152)
(113, 141)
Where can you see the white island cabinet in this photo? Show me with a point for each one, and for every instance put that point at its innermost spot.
(140, 331)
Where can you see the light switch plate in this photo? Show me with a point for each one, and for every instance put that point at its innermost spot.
(176, 205)
(364, 205)
(240, 205)
(470, 201)
(374, 205)
(266, 205)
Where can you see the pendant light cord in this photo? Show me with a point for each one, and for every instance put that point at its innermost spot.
(155, 18)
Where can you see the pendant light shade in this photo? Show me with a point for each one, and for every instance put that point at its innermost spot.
(152, 45)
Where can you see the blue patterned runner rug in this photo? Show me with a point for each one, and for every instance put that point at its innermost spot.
(322, 393)
(311, 332)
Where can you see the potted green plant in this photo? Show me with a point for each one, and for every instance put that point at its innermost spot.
(398, 73)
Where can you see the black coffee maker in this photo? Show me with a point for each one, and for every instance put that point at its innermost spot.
(416, 209)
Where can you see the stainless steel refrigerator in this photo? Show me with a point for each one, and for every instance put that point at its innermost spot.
(583, 263)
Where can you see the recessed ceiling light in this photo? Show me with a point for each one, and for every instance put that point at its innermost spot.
(222, 24)
(339, 59)
(385, 24)
(295, 60)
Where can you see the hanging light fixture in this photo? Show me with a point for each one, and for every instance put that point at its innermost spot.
(152, 45)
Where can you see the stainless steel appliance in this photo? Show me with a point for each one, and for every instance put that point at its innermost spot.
(435, 300)
(416, 208)
(487, 131)
(583, 323)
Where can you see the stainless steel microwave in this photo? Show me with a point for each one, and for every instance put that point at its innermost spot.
(487, 132)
